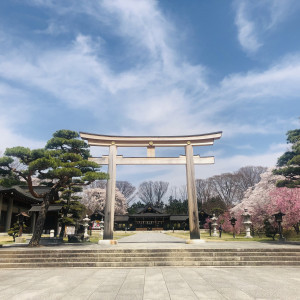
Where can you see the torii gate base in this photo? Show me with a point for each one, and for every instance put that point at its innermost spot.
(112, 160)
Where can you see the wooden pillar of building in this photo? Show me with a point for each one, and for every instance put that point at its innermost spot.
(191, 191)
(33, 221)
(1, 201)
(110, 194)
(9, 213)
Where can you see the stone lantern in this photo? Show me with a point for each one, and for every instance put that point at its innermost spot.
(214, 225)
(233, 221)
(101, 228)
(278, 219)
(86, 225)
(247, 223)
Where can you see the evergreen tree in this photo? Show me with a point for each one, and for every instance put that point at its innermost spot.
(62, 164)
(72, 210)
(176, 207)
(134, 208)
(289, 162)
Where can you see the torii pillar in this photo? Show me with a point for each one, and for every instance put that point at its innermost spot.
(192, 194)
(110, 194)
(150, 142)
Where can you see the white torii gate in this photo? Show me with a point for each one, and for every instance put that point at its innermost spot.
(189, 159)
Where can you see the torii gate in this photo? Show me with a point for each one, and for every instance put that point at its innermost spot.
(151, 142)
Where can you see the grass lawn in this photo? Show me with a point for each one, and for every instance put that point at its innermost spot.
(6, 239)
(226, 237)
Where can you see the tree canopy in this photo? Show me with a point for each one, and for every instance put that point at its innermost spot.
(153, 192)
(289, 162)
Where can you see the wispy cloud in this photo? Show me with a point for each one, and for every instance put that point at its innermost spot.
(255, 18)
(246, 29)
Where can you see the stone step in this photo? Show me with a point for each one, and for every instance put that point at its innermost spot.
(146, 259)
(59, 254)
(37, 251)
(111, 258)
(149, 264)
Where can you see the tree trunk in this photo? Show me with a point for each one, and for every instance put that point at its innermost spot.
(296, 227)
(36, 236)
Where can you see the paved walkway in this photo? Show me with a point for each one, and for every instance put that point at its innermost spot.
(151, 283)
(157, 240)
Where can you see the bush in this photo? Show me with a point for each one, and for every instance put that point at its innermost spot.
(270, 229)
(14, 230)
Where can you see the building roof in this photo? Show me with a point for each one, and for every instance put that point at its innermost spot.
(22, 193)
(51, 208)
(179, 218)
(97, 212)
(121, 218)
(149, 208)
(149, 215)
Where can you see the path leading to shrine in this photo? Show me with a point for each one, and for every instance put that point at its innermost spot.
(149, 237)
(151, 283)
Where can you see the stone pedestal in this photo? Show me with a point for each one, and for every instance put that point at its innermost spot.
(107, 242)
(194, 241)
(20, 240)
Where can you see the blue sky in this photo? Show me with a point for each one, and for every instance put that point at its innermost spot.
(139, 67)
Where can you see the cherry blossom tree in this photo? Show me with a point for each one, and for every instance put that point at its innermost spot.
(224, 219)
(287, 201)
(256, 200)
(95, 198)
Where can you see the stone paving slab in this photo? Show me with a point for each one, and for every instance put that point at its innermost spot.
(152, 283)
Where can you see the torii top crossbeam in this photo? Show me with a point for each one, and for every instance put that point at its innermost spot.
(154, 141)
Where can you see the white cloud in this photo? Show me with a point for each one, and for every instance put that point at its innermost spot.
(15, 111)
(255, 18)
(246, 29)
(11, 138)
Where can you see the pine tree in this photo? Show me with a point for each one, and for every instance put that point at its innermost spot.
(62, 164)
(289, 162)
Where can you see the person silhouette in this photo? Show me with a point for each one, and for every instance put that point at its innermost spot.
(220, 230)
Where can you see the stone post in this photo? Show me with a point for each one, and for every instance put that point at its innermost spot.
(247, 223)
(9, 213)
(110, 194)
(86, 225)
(191, 191)
(101, 229)
(214, 225)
